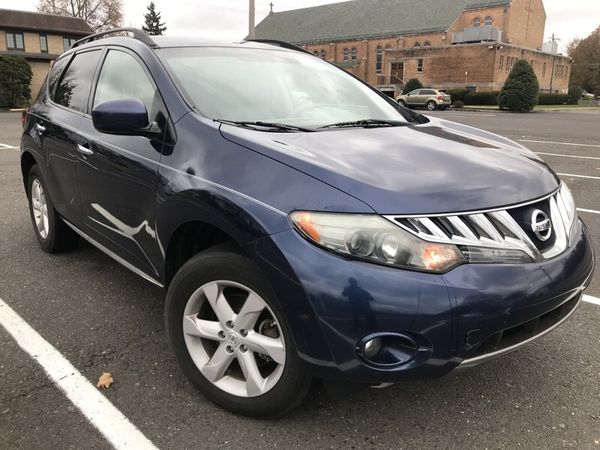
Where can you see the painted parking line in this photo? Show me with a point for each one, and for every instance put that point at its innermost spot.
(592, 300)
(572, 175)
(591, 211)
(567, 156)
(573, 144)
(101, 413)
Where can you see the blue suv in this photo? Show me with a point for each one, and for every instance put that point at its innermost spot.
(303, 225)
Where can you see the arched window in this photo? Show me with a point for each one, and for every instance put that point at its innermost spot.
(488, 21)
(323, 54)
(417, 44)
(477, 22)
(346, 54)
(354, 53)
(378, 59)
(426, 44)
(316, 53)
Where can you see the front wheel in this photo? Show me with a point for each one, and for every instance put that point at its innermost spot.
(231, 338)
(431, 105)
(402, 103)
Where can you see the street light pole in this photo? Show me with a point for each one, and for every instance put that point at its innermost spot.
(251, 18)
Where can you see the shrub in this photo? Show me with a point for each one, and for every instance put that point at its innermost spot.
(411, 85)
(482, 98)
(458, 104)
(575, 93)
(521, 90)
(554, 99)
(457, 94)
(15, 78)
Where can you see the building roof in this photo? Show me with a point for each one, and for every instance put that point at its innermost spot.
(361, 19)
(27, 20)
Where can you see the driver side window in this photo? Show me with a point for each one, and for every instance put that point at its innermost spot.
(123, 77)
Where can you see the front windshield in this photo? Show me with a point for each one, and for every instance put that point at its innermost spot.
(273, 86)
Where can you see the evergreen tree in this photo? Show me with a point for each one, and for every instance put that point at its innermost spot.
(15, 80)
(411, 85)
(521, 90)
(153, 25)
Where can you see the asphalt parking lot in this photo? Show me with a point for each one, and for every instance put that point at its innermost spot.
(102, 318)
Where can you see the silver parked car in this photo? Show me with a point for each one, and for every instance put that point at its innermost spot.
(431, 99)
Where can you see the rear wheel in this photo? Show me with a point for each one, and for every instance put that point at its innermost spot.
(230, 337)
(431, 105)
(51, 232)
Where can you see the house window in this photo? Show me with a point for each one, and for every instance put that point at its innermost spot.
(544, 70)
(68, 43)
(417, 44)
(426, 44)
(419, 65)
(323, 54)
(508, 63)
(15, 41)
(346, 54)
(378, 59)
(316, 53)
(488, 21)
(354, 53)
(43, 43)
(477, 22)
(501, 65)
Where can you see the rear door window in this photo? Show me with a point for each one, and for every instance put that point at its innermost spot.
(73, 90)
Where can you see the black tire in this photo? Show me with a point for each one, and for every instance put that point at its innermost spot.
(59, 237)
(223, 263)
(431, 105)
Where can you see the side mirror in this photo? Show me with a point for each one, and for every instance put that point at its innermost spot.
(127, 116)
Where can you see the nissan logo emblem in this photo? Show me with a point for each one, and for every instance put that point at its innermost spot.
(541, 225)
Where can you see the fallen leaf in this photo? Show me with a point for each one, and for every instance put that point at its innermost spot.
(105, 380)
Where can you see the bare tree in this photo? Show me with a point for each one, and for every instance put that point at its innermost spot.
(99, 14)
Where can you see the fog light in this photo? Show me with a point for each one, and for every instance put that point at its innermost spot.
(372, 347)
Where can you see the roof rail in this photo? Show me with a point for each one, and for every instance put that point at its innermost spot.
(136, 34)
(281, 44)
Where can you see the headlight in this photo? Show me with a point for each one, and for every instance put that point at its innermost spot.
(567, 200)
(375, 239)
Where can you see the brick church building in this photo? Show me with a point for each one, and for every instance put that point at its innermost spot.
(444, 43)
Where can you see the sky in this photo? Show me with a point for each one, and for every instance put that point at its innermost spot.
(228, 19)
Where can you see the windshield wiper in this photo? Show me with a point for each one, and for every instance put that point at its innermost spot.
(367, 123)
(272, 125)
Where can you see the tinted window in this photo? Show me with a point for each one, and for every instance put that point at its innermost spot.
(57, 69)
(123, 77)
(427, 92)
(74, 87)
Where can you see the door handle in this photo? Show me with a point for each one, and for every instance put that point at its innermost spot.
(40, 128)
(84, 150)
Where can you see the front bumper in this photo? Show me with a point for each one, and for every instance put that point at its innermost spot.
(466, 316)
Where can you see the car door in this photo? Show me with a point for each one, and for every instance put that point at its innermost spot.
(117, 173)
(61, 123)
(413, 98)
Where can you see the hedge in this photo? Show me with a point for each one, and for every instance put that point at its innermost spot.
(482, 98)
(553, 99)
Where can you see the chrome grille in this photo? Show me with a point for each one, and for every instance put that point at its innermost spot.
(494, 228)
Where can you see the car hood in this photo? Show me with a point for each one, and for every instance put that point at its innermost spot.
(437, 167)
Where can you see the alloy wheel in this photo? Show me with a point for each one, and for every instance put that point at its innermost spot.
(234, 338)
(40, 208)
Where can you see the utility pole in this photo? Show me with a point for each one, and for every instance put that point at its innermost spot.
(251, 18)
(554, 40)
